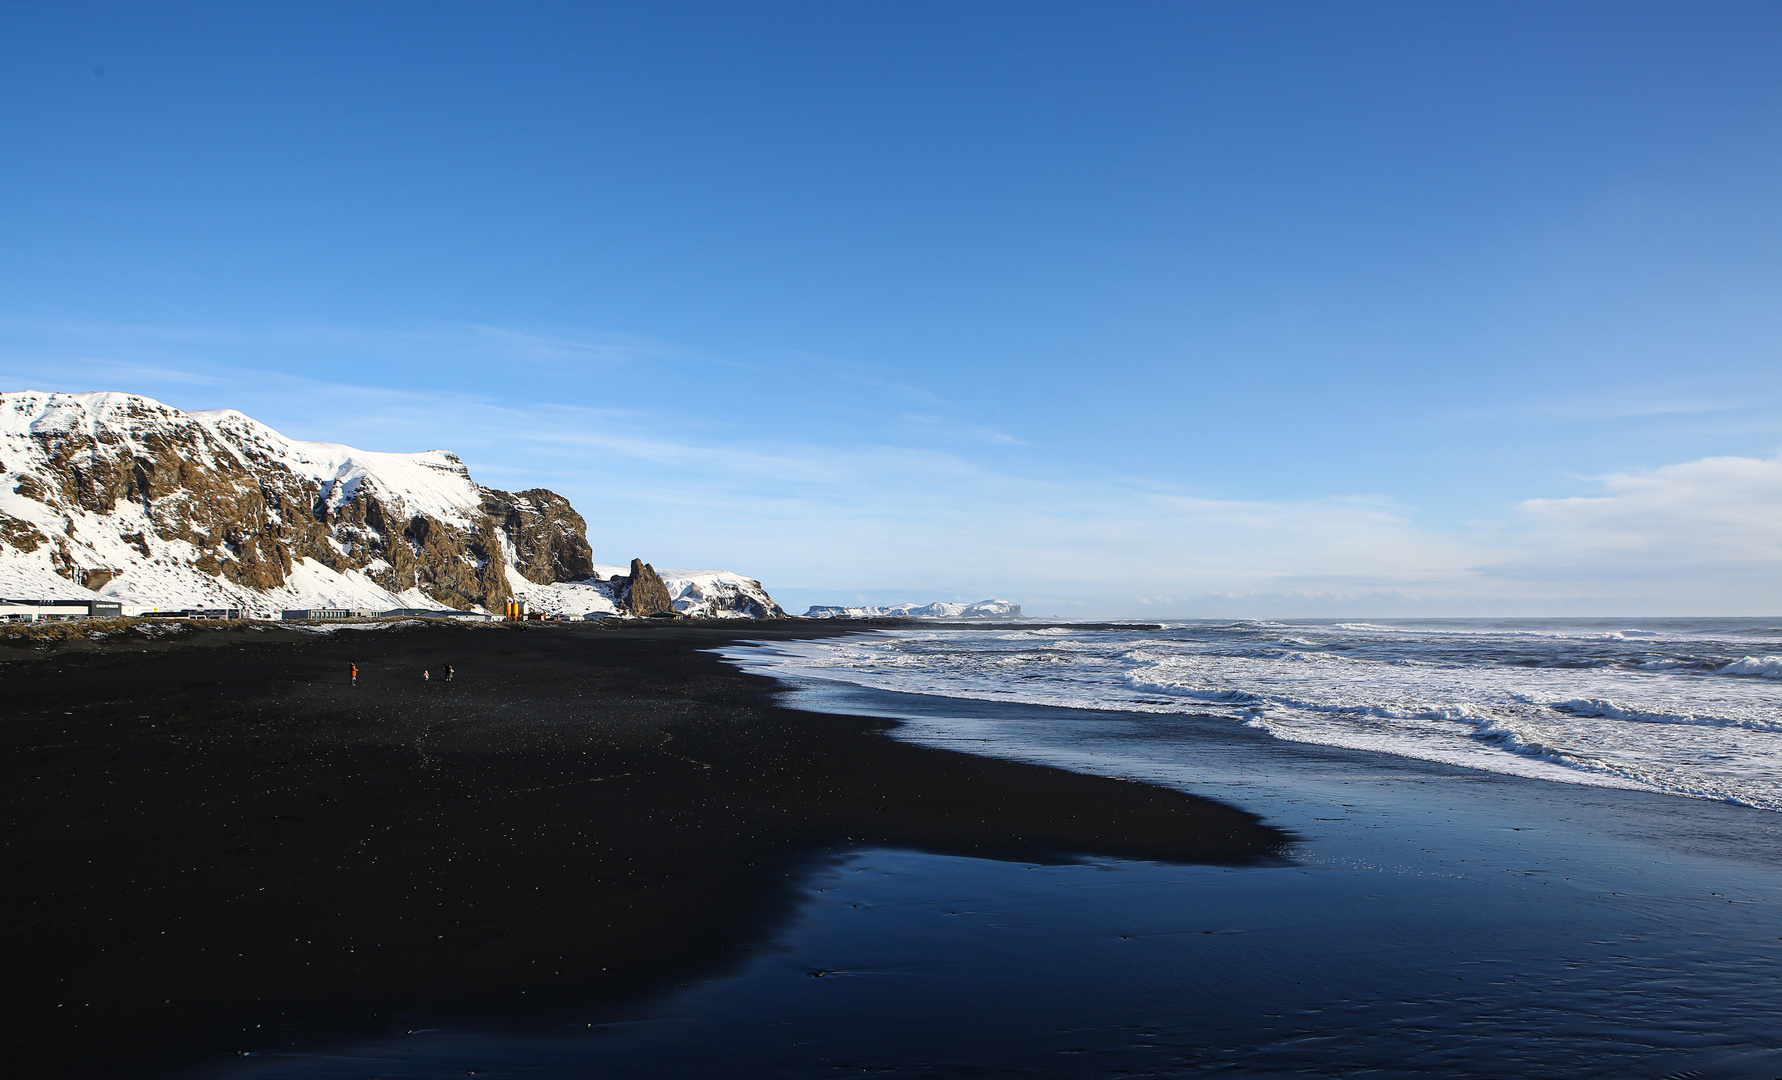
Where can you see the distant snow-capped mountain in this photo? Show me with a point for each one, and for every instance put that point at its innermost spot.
(983, 609)
(140, 502)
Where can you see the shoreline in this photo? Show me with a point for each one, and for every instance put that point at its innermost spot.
(609, 851)
(217, 845)
(1683, 710)
(1426, 920)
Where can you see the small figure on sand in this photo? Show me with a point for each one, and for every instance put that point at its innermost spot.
(425, 676)
(355, 673)
(448, 673)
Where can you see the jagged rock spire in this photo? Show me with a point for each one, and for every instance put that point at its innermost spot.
(646, 595)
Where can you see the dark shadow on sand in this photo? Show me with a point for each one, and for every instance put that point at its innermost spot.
(221, 845)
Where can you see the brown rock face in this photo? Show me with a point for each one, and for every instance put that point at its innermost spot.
(646, 595)
(20, 534)
(190, 485)
(550, 540)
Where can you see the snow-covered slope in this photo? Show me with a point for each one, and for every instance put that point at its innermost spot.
(138, 501)
(717, 594)
(433, 482)
(983, 609)
(63, 522)
(700, 594)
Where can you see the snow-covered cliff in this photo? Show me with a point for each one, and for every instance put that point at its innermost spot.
(707, 594)
(135, 500)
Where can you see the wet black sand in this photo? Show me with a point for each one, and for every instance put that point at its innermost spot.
(218, 845)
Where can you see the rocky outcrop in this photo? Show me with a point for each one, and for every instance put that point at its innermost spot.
(549, 539)
(694, 594)
(717, 593)
(645, 595)
(144, 502)
(21, 535)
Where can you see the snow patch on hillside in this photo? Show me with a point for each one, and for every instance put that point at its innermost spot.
(432, 482)
(717, 594)
(700, 594)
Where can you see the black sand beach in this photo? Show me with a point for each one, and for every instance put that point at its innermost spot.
(219, 846)
(606, 852)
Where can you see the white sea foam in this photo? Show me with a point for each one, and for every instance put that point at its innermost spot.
(1672, 707)
(1770, 667)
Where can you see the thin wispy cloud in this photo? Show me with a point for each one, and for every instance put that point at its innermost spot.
(927, 503)
(859, 375)
(950, 430)
(1597, 407)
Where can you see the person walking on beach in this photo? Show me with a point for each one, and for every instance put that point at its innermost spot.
(425, 676)
(355, 673)
(448, 673)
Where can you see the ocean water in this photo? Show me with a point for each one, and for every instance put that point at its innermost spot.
(1441, 911)
(1687, 707)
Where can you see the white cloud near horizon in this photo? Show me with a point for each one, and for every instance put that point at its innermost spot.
(935, 513)
(1721, 512)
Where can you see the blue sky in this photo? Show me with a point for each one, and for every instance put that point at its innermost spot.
(1111, 309)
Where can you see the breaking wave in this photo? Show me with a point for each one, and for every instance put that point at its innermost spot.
(1769, 667)
(1686, 707)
